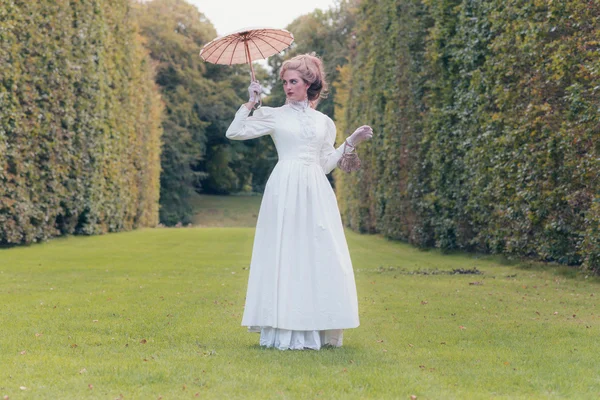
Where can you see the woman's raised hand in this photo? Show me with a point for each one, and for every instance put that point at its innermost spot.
(363, 133)
(254, 91)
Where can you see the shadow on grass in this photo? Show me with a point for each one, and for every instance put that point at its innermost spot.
(325, 349)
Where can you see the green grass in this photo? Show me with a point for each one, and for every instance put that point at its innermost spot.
(226, 211)
(157, 312)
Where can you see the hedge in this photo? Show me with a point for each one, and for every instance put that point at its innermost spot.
(487, 123)
(79, 121)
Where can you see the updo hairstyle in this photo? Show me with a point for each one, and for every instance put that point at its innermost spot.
(310, 68)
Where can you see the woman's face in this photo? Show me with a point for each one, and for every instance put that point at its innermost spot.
(294, 86)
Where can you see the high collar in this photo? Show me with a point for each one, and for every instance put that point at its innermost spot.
(298, 105)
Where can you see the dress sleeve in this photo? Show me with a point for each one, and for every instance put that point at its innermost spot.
(329, 154)
(244, 127)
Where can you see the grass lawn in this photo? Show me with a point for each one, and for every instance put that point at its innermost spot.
(226, 211)
(156, 314)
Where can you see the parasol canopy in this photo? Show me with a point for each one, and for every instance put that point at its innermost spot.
(246, 45)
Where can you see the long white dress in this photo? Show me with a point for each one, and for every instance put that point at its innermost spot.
(301, 289)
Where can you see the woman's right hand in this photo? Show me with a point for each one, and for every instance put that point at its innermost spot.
(254, 91)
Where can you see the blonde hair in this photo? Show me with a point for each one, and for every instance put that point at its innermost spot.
(312, 72)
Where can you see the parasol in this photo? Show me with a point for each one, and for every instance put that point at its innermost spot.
(246, 45)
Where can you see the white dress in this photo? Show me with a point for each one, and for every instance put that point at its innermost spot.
(301, 289)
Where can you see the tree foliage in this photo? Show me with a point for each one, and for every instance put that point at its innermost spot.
(79, 121)
(328, 34)
(201, 100)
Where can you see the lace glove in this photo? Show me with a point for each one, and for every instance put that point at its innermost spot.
(363, 133)
(254, 91)
(349, 161)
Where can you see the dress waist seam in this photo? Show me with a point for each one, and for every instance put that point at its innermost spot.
(300, 160)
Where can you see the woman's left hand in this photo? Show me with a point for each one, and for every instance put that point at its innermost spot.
(363, 133)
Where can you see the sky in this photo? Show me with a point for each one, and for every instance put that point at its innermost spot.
(231, 15)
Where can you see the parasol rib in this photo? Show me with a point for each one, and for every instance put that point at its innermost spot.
(233, 52)
(273, 47)
(258, 48)
(219, 44)
(214, 46)
(226, 43)
(279, 40)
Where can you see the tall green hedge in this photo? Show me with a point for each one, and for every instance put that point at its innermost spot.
(487, 123)
(79, 121)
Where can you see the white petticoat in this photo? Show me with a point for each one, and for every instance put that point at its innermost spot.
(283, 339)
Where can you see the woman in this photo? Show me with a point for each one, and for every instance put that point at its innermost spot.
(301, 290)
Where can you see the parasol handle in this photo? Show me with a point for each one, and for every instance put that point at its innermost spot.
(259, 103)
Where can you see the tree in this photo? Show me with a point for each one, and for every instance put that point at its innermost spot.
(201, 100)
(330, 35)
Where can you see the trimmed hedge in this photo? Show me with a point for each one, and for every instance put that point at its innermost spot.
(487, 122)
(80, 121)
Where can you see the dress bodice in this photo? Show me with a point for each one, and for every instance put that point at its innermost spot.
(299, 133)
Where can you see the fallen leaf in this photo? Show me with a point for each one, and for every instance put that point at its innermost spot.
(384, 350)
(424, 302)
(90, 386)
(83, 371)
(380, 341)
(38, 334)
(23, 352)
(184, 387)
(351, 361)
(95, 320)
(462, 327)
(344, 370)
(410, 345)
(143, 341)
(22, 388)
(555, 312)
(74, 345)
